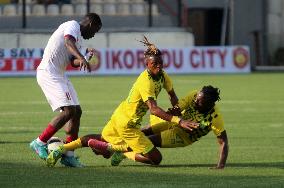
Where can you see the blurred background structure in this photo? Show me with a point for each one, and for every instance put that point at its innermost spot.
(174, 23)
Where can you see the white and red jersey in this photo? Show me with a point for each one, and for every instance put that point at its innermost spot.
(56, 56)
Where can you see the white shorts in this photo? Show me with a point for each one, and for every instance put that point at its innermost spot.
(57, 89)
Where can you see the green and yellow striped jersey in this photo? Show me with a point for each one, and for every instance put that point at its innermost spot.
(134, 107)
(213, 120)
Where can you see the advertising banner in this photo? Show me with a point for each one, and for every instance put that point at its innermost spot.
(109, 61)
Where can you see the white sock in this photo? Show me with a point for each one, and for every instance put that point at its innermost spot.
(41, 143)
(69, 153)
(109, 147)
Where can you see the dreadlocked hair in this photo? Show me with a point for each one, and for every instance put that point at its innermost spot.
(211, 94)
(151, 50)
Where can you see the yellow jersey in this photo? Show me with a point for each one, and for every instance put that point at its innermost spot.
(211, 120)
(132, 110)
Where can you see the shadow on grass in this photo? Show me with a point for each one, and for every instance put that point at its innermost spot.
(279, 165)
(258, 165)
(32, 174)
(14, 142)
(18, 132)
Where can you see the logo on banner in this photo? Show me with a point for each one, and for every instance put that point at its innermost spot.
(240, 57)
(95, 63)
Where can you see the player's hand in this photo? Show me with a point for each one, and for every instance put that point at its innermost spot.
(175, 111)
(84, 65)
(188, 125)
(92, 52)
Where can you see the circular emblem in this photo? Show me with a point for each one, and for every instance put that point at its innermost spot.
(95, 63)
(240, 57)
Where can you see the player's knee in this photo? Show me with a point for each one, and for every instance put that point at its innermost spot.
(157, 160)
(69, 112)
(155, 156)
(147, 130)
(78, 112)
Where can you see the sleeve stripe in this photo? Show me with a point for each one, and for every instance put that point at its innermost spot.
(70, 37)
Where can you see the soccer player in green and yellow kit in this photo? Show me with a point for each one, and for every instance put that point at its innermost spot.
(199, 106)
(122, 133)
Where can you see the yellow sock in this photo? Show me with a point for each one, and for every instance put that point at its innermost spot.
(73, 145)
(130, 155)
(122, 147)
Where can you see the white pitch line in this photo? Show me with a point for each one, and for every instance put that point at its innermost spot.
(45, 102)
(36, 128)
(276, 125)
(187, 81)
(39, 113)
(251, 102)
(119, 101)
(114, 102)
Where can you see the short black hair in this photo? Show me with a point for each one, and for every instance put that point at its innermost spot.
(211, 93)
(95, 18)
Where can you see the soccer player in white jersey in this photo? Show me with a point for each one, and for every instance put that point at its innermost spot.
(64, 47)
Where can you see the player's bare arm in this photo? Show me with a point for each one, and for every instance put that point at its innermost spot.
(224, 150)
(79, 60)
(173, 97)
(157, 111)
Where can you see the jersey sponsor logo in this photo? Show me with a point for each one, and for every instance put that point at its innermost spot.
(68, 96)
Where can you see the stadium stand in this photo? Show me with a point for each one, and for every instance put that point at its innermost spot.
(67, 10)
(52, 10)
(115, 13)
(80, 9)
(96, 1)
(98, 8)
(155, 11)
(138, 9)
(103, 7)
(109, 7)
(28, 10)
(38, 10)
(9, 10)
(4, 2)
(78, 1)
(27, 1)
(123, 9)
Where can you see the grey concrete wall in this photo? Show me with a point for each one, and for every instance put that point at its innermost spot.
(103, 40)
(275, 26)
(248, 16)
(52, 22)
(206, 3)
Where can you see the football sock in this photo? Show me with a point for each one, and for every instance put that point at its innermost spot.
(73, 145)
(47, 133)
(69, 153)
(122, 147)
(100, 145)
(130, 155)
(71, 138)
(41, 143)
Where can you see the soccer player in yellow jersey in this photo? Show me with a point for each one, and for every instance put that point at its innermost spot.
(199, 106)
(122, 133)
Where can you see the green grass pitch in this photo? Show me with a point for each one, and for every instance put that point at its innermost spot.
(253, 109)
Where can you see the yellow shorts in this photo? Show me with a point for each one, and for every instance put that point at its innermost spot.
(117, 133)
(172, 136)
